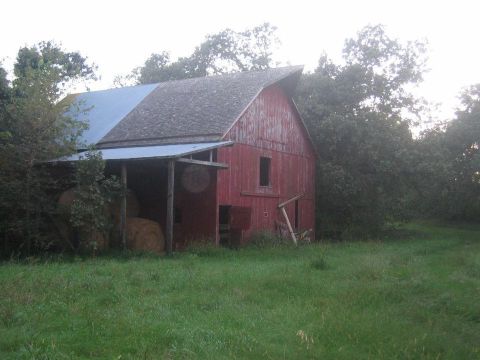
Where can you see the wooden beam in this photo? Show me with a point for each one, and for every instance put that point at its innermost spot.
(170, 193)
(123, 206)
(205, 163)
(259, 194)
(281, 206)
(290, 230)
(291, 200)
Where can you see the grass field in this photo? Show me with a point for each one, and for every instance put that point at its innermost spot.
(413, 297)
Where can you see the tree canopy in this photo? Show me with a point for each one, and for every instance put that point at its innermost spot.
(357, 114)
(33, 129)
(220, 53)
(448, 164)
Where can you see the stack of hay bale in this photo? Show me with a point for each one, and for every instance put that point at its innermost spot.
(142, 234)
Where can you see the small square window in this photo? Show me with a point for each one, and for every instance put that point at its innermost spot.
(265, 171)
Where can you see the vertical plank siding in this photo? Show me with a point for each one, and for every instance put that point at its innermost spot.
(270, 127)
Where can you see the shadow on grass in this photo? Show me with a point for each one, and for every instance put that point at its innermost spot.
(68, 258)
(400, 233)
(263, 244)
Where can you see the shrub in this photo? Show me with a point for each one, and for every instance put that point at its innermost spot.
(93, 194)
(204, 247)
(265, 238)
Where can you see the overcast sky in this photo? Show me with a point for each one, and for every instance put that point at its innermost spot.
(120, 35)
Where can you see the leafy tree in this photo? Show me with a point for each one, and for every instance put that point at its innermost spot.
(159, 68)
(358, 115)
(224, 52)
(449, 164)
(4, 88)
(94, 193)
(231, 51)
(34, 129)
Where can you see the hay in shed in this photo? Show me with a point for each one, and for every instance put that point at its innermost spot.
(144, 235)
(65, 202)
(133, 207)
(66, 199)
(96, 241)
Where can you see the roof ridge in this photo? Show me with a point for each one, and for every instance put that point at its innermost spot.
(236, 73)
(230, 74)
(294, 68)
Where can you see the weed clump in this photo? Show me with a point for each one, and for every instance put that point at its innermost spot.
(265, 239)
(320, 262)
(204, 247)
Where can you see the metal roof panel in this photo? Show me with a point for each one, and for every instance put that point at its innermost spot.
(149, 152)
(103, 110)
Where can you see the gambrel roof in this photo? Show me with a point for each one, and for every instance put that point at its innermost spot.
(184, 111)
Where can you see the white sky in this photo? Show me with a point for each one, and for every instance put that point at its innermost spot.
(120, 35)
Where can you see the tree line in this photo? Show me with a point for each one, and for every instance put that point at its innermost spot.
(371, 170)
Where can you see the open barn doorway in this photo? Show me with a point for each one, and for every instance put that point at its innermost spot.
(194, 203)
(233, 222)
(224, 224)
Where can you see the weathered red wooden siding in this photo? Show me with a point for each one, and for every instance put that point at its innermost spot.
(269, 127)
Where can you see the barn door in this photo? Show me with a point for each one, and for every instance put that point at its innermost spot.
(240, 221)
(233, 221)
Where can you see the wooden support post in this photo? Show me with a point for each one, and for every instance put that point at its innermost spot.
(292, 234)
(170, 193)
(123, 207)
(299, 196)
(284, 213)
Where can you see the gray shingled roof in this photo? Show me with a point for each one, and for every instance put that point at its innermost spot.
(193, 110)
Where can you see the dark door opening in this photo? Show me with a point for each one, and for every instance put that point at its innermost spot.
(224, 224)
(233, 221)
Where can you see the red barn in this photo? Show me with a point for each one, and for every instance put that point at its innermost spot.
(209, 157)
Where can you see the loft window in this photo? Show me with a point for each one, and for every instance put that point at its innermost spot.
(265, 171)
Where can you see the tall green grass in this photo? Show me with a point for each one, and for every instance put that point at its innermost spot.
(412, 297)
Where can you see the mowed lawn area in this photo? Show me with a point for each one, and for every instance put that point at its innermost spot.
(414, 296)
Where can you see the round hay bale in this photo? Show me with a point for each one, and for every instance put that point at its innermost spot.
(65, 202)
(133, 207)
(145, 235)
(66, 199)
(97, 240)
